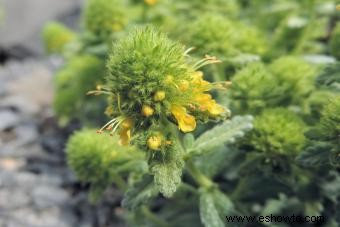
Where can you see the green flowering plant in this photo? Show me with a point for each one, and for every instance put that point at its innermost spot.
(203, 109)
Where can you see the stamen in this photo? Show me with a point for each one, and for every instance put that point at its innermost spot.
(223, 85)
(207, 60)
(108, 123)
(188, 50)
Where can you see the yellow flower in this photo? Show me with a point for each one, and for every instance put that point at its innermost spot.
(206, 103)
(154, 142)
(151, 2)
(125, 131)
(147, 111)
(186, 122)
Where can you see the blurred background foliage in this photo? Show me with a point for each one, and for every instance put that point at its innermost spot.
(283, 60)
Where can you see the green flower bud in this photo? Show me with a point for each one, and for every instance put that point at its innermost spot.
(104, 17)
(296, 76)
(56, 36)
(97, 160)
(222, 37)
(254, 88)
(278, 131)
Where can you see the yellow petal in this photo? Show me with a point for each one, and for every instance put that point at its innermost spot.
(215, 109)
(186, 122)
(125, 136)
(208, 104)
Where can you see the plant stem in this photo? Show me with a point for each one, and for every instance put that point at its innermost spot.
(198, 176)
(152, 217)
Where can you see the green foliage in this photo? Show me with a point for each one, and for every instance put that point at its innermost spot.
(72, 82)
(334, 43)
(104, 17)
(330, 77)
(278, 131)
(330, 120)
(228, 132)
(56, 36)
(140, 193)
(214, 206)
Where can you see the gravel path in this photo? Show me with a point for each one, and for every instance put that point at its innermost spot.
(36, 187)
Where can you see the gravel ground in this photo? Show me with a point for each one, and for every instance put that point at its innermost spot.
(36, 187)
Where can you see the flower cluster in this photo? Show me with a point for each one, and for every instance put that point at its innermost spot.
(152, 83)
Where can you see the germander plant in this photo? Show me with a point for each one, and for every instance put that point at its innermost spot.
(177, 138)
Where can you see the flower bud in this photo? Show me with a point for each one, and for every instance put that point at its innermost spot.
(154, 142)
(159, 96)
(147, 111)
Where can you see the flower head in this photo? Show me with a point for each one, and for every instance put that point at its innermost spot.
(153, 81)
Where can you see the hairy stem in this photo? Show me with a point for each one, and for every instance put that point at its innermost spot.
(152, 217)
(197, 175)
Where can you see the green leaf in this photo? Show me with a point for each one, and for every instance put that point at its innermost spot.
(214, 206)
(188, 141)
(329, 76)
(227, 132)
(209, 212)
(317, 155)
(140, 193)
(167, 175)
(225, 158)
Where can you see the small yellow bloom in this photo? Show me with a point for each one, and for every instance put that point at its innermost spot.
(338, 7)
(147, 111)
(186, 122)
(154, 142)
(159, 96)
(151, 2)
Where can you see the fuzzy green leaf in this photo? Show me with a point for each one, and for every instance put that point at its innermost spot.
(188, 141)
(317, 155)
(214, 206)
(208, 211)
(141, 192)
(227, 132)
(167, 176)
